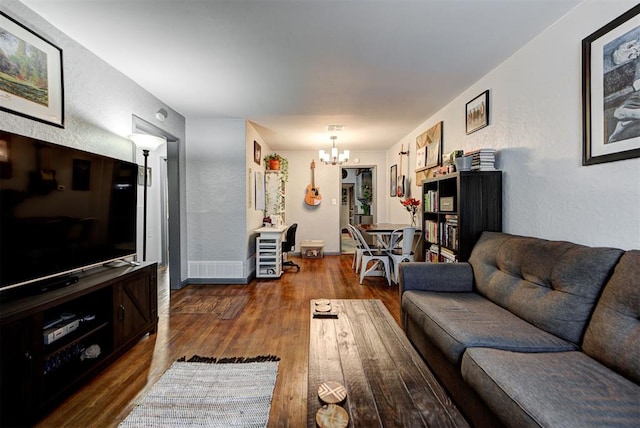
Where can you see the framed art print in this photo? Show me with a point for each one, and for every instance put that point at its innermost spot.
(477, 112)
(393, 181)
(31, 78)
(257, 152)
(611, 91)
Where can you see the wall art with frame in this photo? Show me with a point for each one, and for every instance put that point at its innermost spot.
(257, 152)
(393, 181)
(31, 83)
(611, 91)
(432, 141)
(477, 112)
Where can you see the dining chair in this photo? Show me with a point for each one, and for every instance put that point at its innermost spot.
(402, 248)
(357, 252)
(375, 255)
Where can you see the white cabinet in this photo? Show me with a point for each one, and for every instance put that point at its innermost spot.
(269, 252)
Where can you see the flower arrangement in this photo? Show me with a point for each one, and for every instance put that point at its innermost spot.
(411, 205)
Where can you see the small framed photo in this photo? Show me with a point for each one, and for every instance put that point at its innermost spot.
(393, 181)
(31, 83)
(611, 91)
(477, 112)
(141, 176)
(257, 152)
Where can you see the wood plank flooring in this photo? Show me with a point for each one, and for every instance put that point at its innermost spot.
(261, 318)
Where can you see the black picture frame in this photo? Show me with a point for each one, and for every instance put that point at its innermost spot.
(393, 181)
(257, 152)
(610, 91)
(477, 113)
(40, 94)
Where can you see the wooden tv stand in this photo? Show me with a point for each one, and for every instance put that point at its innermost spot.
(114, 307)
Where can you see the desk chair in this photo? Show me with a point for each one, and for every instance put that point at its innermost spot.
(402, 248)
(288, 245)
(372, 254)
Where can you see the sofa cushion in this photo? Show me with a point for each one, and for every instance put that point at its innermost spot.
(456, 321)
(563, 389)
(613, 335)
(552, 284)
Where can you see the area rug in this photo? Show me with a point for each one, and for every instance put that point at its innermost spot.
(205, 392)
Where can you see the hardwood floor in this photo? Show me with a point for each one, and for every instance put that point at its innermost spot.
(261, 318)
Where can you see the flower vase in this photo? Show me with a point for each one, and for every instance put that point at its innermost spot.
(274, 164)
(413, 221)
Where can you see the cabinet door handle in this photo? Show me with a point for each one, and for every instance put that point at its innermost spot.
(120, 313)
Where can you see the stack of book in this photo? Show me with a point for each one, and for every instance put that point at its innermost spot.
(482, 159)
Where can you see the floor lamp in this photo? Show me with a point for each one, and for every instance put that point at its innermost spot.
(147, 143)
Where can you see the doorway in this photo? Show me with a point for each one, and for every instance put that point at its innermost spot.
(358, 204)
(167, 207)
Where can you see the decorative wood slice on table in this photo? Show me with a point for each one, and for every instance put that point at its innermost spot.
(332, 416)
(332, 392)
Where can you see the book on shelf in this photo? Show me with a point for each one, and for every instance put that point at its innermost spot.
(482, 159)
(431, 201)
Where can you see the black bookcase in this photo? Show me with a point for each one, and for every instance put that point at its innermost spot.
(457, 208)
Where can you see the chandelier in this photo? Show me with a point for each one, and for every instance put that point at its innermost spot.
(334, 158)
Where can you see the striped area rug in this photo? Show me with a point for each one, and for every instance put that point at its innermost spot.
(205, 392)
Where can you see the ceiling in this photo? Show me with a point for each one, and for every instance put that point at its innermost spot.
(380, 68)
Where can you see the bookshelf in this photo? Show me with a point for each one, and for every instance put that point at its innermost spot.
(457, 208)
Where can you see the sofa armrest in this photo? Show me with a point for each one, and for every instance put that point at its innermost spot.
(445, 277)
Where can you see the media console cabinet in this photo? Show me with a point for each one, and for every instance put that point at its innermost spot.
(98, 318)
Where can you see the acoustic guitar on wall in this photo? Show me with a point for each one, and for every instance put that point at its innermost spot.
(313, 193)
(400, 190)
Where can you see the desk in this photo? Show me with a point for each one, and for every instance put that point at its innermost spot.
(269, 251)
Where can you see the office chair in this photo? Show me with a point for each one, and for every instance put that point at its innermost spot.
(288, 245)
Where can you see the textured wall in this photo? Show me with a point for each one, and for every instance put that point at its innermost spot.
(216, 203)
(99, 104)
(536, 123)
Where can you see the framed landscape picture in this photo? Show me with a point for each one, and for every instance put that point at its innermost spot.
(611, 91)
(31, 82)
(477, 112)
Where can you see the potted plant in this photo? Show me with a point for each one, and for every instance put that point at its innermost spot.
(276, 162)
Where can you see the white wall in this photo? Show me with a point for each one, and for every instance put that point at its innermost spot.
(536, 124)
(99, 102)
(254, 216)
(216, 207)
(323, 221)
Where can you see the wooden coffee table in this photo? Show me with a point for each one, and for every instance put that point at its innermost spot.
(387, 382)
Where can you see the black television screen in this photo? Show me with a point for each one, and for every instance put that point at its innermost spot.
(62, 210)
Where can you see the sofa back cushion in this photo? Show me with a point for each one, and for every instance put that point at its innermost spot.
(551, 284)
(613, 334)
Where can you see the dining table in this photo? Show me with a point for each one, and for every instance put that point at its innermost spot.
(382, 231)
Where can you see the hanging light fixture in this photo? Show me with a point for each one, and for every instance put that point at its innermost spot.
(334, 158)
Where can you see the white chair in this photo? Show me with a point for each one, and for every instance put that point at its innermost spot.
(402, 248)
(357, 253)
(372, 255)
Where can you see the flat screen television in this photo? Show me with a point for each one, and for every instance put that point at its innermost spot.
(62, 210)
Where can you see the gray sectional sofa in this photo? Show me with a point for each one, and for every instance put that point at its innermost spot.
(531, 332)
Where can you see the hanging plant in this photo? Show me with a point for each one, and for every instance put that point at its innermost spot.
(275, 162)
